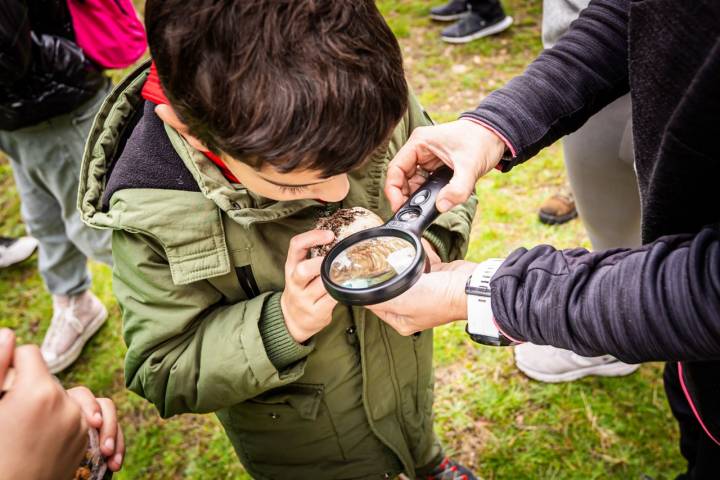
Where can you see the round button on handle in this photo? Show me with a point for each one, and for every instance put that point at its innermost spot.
(420, 197)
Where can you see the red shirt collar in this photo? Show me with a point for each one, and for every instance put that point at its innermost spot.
(152, 91)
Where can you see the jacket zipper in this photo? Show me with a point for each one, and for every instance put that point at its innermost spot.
(247, 281)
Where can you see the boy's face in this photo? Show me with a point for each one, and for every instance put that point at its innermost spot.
(266, 181)
(295, 185)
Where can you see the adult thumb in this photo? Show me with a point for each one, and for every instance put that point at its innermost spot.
(29, 364)
(459, 189)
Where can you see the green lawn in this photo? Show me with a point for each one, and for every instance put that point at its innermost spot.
(489, 415)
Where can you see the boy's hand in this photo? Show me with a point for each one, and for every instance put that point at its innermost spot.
(305, 303)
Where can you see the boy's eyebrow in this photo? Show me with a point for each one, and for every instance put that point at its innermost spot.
(297, 185)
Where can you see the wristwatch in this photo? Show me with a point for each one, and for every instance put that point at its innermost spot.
(481, 323)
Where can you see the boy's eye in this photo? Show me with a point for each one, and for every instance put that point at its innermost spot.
(292, 190)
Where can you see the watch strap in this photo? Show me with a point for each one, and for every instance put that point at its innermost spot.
(484, 330)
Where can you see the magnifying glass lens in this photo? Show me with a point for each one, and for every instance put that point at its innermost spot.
(371, 262)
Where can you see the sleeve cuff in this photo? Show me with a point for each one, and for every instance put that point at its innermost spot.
(439, 238)
(281, 348)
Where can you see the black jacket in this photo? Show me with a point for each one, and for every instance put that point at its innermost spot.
(43, 73)
(660, 301)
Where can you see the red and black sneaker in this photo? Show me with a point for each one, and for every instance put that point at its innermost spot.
(451, 470)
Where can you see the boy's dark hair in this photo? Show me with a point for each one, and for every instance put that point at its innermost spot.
(298, 84)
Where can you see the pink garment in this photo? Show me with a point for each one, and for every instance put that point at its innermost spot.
(109, 31)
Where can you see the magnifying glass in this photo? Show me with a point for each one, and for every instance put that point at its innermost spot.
(375, 265)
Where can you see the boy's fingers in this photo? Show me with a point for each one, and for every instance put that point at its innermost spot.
(87, 402)
(306, 272)
(109, 428)
(300, 244)
(315, 290)
(326, 303)
(7, 347)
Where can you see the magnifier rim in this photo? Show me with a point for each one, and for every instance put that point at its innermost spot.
(382, 291)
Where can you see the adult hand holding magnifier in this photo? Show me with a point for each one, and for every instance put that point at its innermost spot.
(377, 264)
(470, 149)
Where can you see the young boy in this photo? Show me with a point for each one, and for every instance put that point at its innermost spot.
(275, 113)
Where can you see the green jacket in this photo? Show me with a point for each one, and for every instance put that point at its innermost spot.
(198, 274)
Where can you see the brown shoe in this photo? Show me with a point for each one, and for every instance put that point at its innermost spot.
(558, 209)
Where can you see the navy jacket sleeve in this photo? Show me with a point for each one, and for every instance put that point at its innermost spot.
(657, 302)
(565, 85)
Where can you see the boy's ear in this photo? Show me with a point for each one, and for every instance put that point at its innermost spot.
(168, 115)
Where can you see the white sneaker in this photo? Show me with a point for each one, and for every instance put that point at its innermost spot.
(16, 250)
(553, 365)
(75, 320)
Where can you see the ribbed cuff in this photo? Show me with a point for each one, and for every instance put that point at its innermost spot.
(280, 346)
(440, 239)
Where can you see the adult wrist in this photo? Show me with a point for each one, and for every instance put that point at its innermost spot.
(458, 296)
(503, 158)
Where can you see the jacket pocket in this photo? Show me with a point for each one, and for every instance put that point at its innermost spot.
(287, 426)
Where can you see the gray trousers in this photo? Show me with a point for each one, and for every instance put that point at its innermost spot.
(45, 160)
(600, 166)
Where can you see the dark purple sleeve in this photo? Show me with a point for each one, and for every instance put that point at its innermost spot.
(657, 302)
(565, 85)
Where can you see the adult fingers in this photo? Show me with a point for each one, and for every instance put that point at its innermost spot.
(396, 182)
(7, 347)
(115, 463)
(87, 402)
(29, 365)
(307, 271)
(461, 186)
(397, 321)
(300, 244)
(402, 177)
(109, 428)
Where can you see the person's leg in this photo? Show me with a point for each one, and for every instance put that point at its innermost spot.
(75, 128)
(49, 156)
(599, 160)
(61, 264)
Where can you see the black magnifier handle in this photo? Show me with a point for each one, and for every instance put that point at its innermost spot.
(419, 211)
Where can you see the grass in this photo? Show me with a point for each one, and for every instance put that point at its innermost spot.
(489, 416)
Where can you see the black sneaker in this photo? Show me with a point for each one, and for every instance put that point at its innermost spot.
(16, 250)
(474, 25)
(453, 10)
(451, 470)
